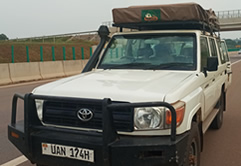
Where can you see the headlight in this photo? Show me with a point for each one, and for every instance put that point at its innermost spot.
(39, 108)
(148, 118)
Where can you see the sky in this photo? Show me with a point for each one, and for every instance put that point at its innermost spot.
(31, 18)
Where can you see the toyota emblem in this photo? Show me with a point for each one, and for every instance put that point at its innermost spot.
(85, 114)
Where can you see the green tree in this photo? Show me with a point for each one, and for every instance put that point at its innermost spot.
(3, 37)
(230, 43)
(239, 42)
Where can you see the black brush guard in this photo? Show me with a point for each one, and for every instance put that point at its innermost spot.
(31, 132)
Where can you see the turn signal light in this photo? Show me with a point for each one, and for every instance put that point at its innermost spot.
(180, 109)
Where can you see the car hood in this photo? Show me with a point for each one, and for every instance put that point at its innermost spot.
(118, 85)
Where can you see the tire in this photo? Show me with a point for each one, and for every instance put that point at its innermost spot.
(193, 147)
(218, 120)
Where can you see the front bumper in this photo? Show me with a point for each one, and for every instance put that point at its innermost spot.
(110, 149)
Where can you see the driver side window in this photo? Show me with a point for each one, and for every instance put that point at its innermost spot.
(205, 53)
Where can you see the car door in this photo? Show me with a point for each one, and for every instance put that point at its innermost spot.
(208, 84)
(221, 73)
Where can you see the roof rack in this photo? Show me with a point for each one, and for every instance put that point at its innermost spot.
(188, 16)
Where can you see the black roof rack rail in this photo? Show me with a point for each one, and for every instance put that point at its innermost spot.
(170, 25)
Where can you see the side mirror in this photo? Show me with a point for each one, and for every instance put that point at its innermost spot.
(212, 63)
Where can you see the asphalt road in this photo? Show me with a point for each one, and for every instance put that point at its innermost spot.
(7, 150)
(221, 147)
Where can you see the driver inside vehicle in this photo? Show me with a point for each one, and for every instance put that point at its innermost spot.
(163, 54)
(145, 52)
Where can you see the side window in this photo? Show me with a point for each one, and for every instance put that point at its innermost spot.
(213, 47)
(225, 51)
(204, 52)
(221, 53)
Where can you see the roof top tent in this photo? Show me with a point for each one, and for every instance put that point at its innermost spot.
(166, 17)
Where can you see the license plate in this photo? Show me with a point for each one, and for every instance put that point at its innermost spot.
(68, 151)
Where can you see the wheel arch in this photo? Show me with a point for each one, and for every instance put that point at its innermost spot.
(198, 119)
(196, 116)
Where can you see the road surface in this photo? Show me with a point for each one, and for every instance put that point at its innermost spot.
(221, 147)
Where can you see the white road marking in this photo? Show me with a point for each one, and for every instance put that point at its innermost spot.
(236, 62)
(29, 83)
(15, 161)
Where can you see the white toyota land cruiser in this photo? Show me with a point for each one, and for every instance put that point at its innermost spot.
(146, 98)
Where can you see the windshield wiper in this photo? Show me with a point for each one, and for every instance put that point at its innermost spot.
(126, 66)
(149, 66)
(176, 65)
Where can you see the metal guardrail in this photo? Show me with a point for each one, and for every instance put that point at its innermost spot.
(228, 14)
(55, 36)
(108, 23)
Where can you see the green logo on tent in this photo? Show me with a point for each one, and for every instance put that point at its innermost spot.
(150, 15)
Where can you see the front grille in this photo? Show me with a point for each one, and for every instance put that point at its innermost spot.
(65, 114)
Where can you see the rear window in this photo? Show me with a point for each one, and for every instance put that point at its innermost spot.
(225, 51)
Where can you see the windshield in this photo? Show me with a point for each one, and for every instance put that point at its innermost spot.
(150, 52)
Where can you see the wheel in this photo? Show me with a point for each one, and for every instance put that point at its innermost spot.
(193, 147)
(218, 120)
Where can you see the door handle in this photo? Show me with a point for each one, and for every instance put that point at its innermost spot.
(206, 86)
